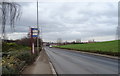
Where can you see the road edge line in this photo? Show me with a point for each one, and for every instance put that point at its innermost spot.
(51, 65)
(95, 54)
(53, 69)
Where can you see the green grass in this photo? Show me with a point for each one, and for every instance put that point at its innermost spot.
(108, 47)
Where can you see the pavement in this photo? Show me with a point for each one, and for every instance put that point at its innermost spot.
(40, 66)
(71, 62)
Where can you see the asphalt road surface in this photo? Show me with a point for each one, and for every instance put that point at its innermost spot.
(70, 62)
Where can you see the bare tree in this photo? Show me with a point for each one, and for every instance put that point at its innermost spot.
(10, 13)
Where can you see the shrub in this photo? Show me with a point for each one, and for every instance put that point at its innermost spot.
(11, 65)
(15, 57)
(26, 56)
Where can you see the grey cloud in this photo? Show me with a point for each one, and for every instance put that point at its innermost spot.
(71, 20)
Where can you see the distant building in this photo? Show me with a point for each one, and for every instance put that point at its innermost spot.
(78, 40)
(91, 41)
(59, 40)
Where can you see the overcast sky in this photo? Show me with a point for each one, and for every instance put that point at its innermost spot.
(69, 20)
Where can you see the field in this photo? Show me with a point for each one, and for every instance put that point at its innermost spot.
(108, 47)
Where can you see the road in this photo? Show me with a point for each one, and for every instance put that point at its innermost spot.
(70, 62)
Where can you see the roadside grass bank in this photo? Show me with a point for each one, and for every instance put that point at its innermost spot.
(15, 57)
(107, 47)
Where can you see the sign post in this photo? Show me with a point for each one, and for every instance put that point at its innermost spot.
(34, 34)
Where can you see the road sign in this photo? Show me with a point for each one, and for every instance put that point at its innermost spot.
(34, 32)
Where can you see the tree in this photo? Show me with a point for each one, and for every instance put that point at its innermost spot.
(10, 13)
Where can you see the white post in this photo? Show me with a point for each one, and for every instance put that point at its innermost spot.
(33, 47)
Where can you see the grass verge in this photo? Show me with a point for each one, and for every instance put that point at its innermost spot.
(107, 47)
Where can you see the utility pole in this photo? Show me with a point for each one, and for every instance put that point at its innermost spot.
(38, 28)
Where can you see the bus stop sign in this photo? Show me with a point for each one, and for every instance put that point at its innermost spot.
(34, 32)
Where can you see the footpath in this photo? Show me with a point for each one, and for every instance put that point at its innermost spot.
(40, 66)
